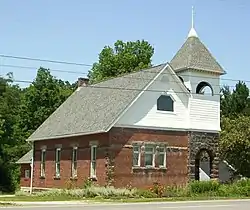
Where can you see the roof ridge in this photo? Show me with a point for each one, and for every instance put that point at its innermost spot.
(126, 74)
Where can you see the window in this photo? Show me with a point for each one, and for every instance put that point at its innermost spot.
(93, 161)
(42, 167)
(162, 157)
(149, 156)
(136, 156)
(27, 174)
(74, 162)
(165, 103)
(58, 158)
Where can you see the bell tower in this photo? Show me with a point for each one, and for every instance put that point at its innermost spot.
(200, 73)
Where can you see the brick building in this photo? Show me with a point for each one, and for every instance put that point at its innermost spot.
(137, 129)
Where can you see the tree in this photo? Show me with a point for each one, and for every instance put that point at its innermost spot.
(123, 58)
(235, 143)
(235, 102)
(21, 112)
(41, 99)
(10, 144)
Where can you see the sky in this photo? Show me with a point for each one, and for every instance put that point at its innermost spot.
(77, 30)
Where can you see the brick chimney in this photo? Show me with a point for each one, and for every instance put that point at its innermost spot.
(82, 82)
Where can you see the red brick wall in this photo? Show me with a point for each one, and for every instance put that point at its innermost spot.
(24, 182)
(120, 141)
(176, 162)
(83, 163)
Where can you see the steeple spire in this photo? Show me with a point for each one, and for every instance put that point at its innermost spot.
(192, 32)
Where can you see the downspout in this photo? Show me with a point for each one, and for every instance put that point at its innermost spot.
(32, 169)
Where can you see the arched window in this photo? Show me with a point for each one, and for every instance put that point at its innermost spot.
(204, 88)
(165, 103)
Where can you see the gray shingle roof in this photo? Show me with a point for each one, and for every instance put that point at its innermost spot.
(93, 109)
(26, 158)
(194, 54)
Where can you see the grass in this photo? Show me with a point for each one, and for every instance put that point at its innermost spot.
(194, 191)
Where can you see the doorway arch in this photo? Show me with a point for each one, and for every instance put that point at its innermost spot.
(203, 163)
(199, 142)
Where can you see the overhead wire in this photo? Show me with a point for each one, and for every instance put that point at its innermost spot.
(43, 60)
(77, 64)
(121, 88)
(85, 73)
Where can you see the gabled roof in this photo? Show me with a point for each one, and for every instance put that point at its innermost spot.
(93, 109)
(194, 55)
(26, 158)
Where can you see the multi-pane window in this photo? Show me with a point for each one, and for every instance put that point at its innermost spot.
(149, 156)
(152, 154)
(93, 161)
(74, 162)
(43, 153)
(136, 156)
(58, 159)
(162, 157)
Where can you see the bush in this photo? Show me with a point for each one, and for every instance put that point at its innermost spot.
(87, 183)
(238, 188)
(157, 189)
(176, 191)
(199, 187)
(194, 189)
(146, 194)
(90, 192)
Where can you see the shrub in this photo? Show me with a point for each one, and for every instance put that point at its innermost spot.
(199, 187)
(70, 184)
(157, 189)
(176, 191)
(145, 194)
(90, 192)
(87, 183)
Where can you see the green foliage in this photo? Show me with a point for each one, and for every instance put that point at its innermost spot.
(21, 112)
(235, 102)
(41, 99)
(199, 187)
(10, 143)
(235, 125)
(157, 189)
(90, 192)
(235, 143)
(125, 57)
(193, 190)
(87, 183)
(146, 194)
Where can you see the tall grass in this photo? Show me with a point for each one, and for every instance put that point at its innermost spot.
(201, 189)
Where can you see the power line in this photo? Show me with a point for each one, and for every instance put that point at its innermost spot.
(84, 73)
(132, 78)
(124, 76)
(43, 60)
(117, 88)
(35, 68)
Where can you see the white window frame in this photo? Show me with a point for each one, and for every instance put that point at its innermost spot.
(93, 161)
(139, 155)
(57, 162)
(26, 173)
(151, 153)
(74, 162)
(164, 153)
(43, 161)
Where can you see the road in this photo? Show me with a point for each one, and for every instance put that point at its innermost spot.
(199, 205)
